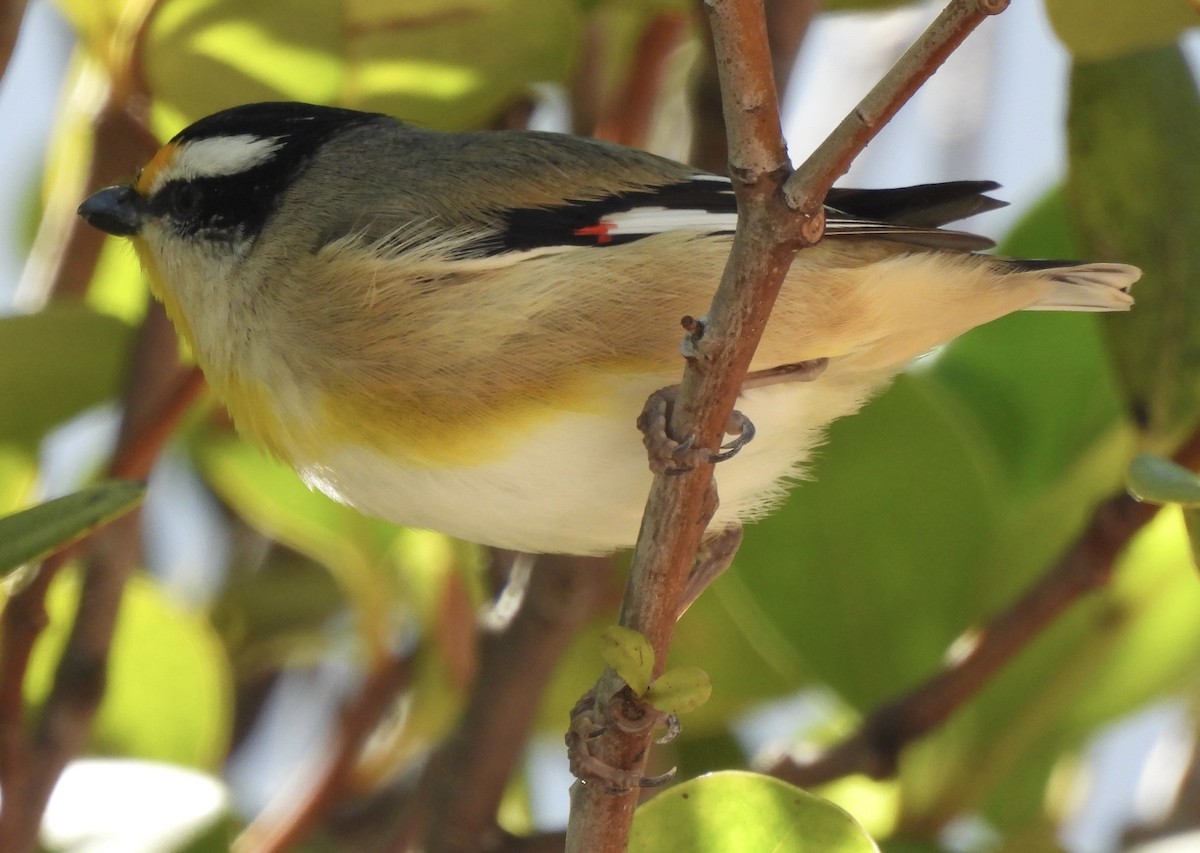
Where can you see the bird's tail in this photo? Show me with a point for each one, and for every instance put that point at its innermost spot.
(1082, 287)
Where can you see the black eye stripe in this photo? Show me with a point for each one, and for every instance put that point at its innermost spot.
(239, 205)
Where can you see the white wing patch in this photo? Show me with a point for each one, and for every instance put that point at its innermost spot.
(218, 156)
(661, 220)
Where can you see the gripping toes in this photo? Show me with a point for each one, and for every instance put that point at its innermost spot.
(670, 456)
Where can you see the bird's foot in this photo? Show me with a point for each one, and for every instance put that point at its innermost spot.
(669, 456)
(625, 713)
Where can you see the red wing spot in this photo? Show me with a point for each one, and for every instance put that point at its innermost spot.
(601, 231)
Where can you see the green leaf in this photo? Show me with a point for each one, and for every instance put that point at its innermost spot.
(1101, 29)
(1161, 481)
(1134, 130)
(1043, 232)
(56, 364)
(843, 567)
(277, 613)
(453, 65)
(630, 655)
(736, 810)
(33, 533)
(169, 696)
(680, 690)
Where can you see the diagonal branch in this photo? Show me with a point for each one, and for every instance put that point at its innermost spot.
(773, 223)
(807, 188)
(1086, 566)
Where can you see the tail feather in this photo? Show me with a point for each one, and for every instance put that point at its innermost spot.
(1083, 287)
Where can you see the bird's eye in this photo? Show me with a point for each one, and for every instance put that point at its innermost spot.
(185, 200)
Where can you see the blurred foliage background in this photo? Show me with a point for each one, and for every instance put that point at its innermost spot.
(927, 513)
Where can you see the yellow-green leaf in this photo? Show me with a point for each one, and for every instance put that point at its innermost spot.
(1133, 131)
(169, 692)
(629, 654)
(54, 365)
(736, 810)
(453, 65)
(680, 690)
(1104, 29)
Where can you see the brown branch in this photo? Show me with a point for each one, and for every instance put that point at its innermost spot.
(721, 348)
(833, 157)
(1086, 566)
(24, 620)
(679, 507)
(787, 24)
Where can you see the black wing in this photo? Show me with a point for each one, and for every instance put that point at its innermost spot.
(706, 204)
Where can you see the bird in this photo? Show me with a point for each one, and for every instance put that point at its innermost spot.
(458, 331)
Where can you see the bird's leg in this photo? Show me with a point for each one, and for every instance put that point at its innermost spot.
(714, 557)
(799, 371)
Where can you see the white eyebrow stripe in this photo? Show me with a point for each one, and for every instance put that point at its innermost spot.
(219, 156)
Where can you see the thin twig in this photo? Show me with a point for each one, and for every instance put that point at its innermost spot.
(679, 507)
(1085, 566)
(833, 157)
(24, 620)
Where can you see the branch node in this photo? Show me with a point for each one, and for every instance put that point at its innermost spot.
(695, 327)
(630, 714)
(812, 226)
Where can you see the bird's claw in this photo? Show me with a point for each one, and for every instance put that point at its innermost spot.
(588, 723)
(671, 457)
(743, 428)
